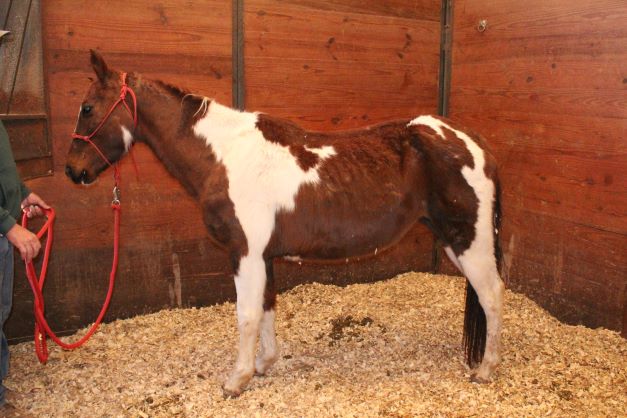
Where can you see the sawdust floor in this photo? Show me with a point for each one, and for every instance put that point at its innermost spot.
(386, 349)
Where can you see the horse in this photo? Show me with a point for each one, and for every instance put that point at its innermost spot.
(270, 189)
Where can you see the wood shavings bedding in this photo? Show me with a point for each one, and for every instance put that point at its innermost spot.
(388, 349)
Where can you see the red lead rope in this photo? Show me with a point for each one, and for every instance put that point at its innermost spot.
(42, 329)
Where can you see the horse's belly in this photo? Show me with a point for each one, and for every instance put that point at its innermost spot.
(344, 227)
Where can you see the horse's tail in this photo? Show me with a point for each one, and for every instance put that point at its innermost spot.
(475, 331)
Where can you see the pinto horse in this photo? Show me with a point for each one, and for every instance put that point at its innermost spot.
(270, 189)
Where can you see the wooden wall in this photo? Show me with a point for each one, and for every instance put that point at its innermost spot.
(546, 83)
(326, 64)
(161, 226)
(331, 64)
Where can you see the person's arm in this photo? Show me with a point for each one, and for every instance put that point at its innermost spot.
(33, 205)
(6, 221)
(25, 241)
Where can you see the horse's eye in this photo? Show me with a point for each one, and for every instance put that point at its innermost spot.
(86, 109)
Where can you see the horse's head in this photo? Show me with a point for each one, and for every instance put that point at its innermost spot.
(105, 122)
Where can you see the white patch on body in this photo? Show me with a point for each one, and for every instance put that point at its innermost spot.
(264, 178)
(478, 263)
(127, 137)
(293, 258)
(483, 244)
(323, 152)
(451, 255)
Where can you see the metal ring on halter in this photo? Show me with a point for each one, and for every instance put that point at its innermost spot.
(116, 196)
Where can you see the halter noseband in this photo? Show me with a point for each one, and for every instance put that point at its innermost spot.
(122, 99)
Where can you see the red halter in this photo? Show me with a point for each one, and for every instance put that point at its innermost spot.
(42, 329)
(122, 99)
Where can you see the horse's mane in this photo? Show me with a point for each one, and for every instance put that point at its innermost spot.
(195, 101)
(172, 89)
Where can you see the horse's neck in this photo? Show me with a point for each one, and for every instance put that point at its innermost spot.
(165, 126)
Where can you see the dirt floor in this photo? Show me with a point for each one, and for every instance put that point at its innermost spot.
(386, 349)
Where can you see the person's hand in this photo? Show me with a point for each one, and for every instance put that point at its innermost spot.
(33, 205)
(25, 241)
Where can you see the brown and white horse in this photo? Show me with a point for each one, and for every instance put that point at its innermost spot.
(269, 189)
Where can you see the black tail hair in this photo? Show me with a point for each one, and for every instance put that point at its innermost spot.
(474, 327)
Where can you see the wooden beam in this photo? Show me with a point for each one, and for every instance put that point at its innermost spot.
(238, 54)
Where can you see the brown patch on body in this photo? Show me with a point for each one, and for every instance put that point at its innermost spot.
(369, 195)
(452, 203)
(289, 135)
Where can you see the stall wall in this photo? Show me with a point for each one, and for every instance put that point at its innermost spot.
(326, 64)
(546, 84)
(164, 251)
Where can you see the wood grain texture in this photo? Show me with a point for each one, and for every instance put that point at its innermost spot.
(187, 46)
(413, 9)
(546, 84)
(329, 68)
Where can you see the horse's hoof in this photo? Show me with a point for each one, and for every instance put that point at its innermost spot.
(475, 378)
(260, 374)
(230, 394)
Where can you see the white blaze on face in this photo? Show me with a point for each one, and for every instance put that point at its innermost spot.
(127, 137)
(483, 244)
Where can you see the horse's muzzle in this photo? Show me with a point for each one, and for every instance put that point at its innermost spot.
(76, 178)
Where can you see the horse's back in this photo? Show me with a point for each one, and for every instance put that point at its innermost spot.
(369, 193)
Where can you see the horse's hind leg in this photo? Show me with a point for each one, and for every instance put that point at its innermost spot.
(470, 244)
(479, 267)
(268, 352)
(250, 282)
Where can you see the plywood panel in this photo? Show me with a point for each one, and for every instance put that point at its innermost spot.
(416, 9)
(199, 28)
(334, 68)
(187, 46)
(545, 83)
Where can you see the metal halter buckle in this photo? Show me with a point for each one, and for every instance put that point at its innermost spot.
(116, 196)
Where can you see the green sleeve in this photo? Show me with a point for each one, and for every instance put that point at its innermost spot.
(25, 191)
(6, 221)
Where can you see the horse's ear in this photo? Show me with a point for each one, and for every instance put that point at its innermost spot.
(100, 66)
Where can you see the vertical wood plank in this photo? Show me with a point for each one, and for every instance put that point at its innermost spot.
(28, 89)
(10, 52)
(238, 55)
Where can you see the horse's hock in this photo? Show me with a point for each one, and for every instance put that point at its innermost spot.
(384, 349)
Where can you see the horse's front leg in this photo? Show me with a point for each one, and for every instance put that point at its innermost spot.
(269, 351)
(250, 282)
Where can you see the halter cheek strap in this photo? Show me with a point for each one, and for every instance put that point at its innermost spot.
(124, 90)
